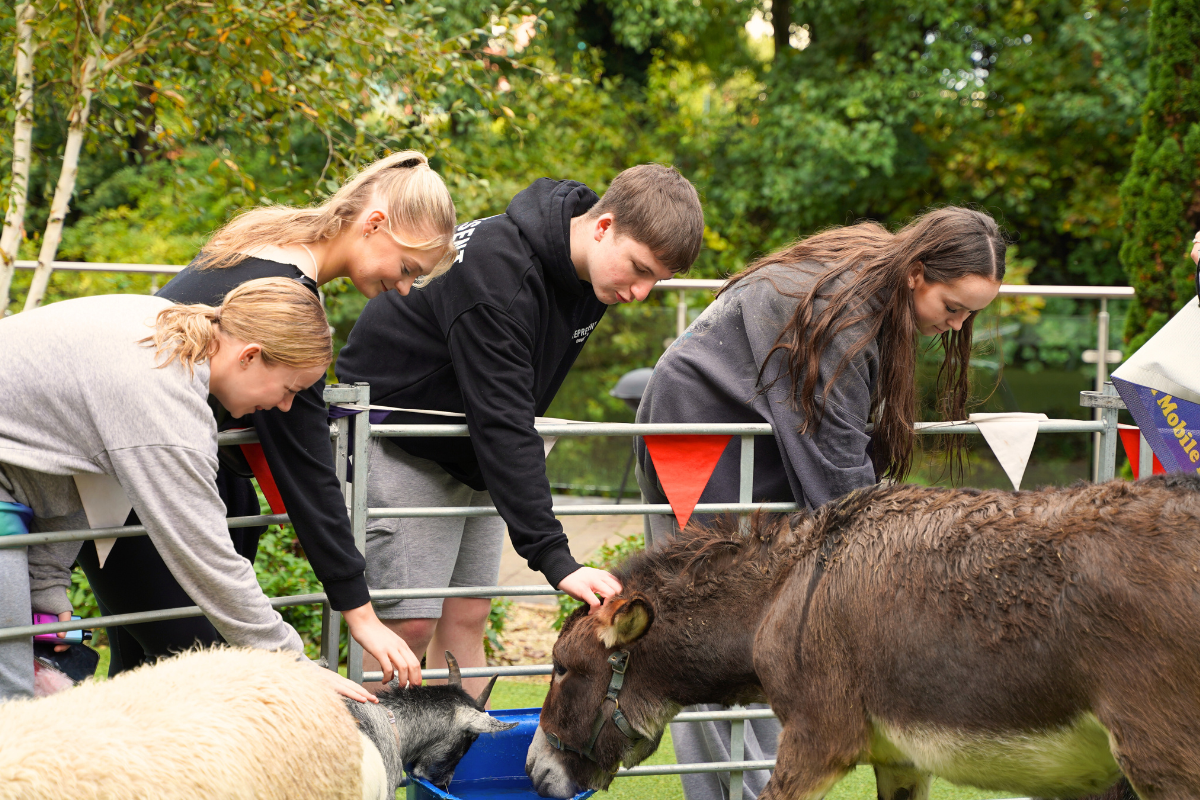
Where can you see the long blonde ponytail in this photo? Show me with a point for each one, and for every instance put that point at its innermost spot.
(279, 314)
(420, 214)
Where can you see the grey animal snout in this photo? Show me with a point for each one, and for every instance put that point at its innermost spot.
(544, 767)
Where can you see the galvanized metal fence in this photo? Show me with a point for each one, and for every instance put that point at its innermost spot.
(357, 430)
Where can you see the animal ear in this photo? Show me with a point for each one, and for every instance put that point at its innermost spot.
(477, 721)
(455, 678)
(624, 620)
(481, 701)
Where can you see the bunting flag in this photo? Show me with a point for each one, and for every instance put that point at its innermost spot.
(1011, 436)
(1131, 440)
(1160, 385)
(262, 473)
(106, 506)
(684, 465)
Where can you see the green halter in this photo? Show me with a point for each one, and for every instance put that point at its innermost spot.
(619, 661)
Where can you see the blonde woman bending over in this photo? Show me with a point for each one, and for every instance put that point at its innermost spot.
(107, 397)
(389, 227)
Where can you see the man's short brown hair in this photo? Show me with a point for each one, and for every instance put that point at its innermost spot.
(658, 207)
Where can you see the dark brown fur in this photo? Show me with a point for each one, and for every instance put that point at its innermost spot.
(990, 613)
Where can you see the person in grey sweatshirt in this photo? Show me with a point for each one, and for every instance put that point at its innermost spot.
(104, 401)
(819, 339)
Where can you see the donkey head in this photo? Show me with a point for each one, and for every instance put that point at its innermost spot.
(439, 724)
(599, 711)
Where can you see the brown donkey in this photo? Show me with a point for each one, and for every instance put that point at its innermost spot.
(1041, 643)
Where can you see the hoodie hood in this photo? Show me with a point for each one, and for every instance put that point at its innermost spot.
(543, 213)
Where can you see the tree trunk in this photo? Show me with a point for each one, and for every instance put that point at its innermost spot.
(14, 218)
(781, 21)
(65, 188)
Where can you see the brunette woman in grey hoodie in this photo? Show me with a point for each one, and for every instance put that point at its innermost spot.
(819, 339)
(106, 397)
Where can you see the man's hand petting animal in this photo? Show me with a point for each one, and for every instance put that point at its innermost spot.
(586, 582)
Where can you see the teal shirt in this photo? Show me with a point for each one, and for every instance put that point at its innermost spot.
(14, 518)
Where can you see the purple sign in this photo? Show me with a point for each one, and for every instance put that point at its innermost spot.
(1170, 425)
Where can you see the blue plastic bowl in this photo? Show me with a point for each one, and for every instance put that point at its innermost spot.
(494, 767)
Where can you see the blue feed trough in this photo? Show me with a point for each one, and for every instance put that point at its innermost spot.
(494, 767)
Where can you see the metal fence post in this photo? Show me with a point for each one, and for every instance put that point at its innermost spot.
(1101, 377)
(1145, 457)
(358, 506)
(681, 322)
(331, 621)
(746, 482)
(737, 728)
(1106, 468)
(737, 752)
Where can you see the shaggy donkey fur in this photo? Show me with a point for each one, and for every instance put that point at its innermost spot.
(1042, 643)
(435, 726)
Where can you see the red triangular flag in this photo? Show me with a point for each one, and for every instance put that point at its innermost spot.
(1131, 439)
(684, 465)
(262, 474)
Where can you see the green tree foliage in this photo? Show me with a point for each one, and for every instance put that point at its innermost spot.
(1161, 195)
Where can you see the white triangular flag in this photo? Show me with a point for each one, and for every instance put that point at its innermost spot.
(1011, 437)
(106, 506)
(549, 441)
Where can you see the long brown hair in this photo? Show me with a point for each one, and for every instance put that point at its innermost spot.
(873, 266)
(281, 315)
(420, 214)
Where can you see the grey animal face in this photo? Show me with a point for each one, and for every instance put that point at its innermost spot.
(439, 724)
(437, 762)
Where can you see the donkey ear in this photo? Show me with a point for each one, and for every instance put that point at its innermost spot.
(624, 620)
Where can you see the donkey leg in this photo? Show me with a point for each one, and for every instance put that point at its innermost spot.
(810, 760)
(902, 783)
(1160, 757)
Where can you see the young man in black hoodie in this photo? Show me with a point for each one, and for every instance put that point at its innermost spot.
(493, 339)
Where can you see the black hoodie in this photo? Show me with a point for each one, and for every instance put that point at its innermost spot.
(493, 338)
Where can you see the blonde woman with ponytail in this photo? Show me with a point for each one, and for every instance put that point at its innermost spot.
(106, 398)
(390, 227)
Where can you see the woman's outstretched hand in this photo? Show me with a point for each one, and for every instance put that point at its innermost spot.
(586, 582)
(392, 652)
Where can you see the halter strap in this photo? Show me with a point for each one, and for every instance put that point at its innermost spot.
(619, 662)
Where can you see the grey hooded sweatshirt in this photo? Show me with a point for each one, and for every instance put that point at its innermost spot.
(710, 374)
(80, 394)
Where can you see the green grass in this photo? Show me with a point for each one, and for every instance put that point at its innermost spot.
(858, 785)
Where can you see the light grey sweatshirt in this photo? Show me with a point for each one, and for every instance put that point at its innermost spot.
(79, 394)
(710, 374)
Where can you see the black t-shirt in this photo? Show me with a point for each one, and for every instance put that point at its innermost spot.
(296, 445)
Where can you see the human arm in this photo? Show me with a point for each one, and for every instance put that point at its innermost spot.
(173, 490)
(500, 410)
(392, 652)
(298, 451)
(297, 448)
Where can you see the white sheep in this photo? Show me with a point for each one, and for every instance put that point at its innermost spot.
(220, 723)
